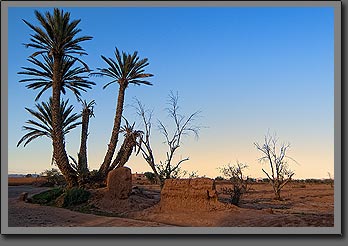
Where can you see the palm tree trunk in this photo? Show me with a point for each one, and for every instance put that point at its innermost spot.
(59, 152)
(104, 168)
(82, 155)
(125, 151)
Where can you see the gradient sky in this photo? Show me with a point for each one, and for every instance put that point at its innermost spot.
(249, 70)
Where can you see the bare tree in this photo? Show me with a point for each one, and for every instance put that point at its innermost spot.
(183, 126)
(331, 180)
(234, 173)
(276, 157)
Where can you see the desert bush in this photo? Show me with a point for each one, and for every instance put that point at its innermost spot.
(234, 173)
(47, 197)
(54, 177)
(75, 196)
(150, 177)
(219, 178)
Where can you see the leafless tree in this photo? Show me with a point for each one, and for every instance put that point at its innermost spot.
(331, 180)
(276, 157)
(182, 126)
(234, 173)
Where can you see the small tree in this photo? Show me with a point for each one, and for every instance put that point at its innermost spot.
(331, 180)
(182, 126)
(280, 173)
(234, 173)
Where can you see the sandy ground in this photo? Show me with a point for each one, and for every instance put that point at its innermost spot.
(309, 205)
(23, 214)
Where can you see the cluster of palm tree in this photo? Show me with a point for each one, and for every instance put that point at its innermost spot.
(57, 66)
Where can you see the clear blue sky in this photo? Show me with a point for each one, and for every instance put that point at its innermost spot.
(249, 70)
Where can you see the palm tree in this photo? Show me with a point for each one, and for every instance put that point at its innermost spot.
(126, 69)
(129, 144)
(42, 126)
(56, 41)
(82, 167)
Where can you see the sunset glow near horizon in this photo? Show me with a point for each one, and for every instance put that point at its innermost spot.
(248, 70)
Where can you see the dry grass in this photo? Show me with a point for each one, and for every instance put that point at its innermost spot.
(14, 181)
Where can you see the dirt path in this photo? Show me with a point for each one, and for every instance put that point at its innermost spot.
(21, 214)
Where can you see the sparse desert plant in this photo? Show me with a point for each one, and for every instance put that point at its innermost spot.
(54, 177)
(234, 173)
(280, 173)
(193, 174)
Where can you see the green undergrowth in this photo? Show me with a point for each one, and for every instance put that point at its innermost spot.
(75, 196)
(47, 197)
(60, 197)
(75, 199)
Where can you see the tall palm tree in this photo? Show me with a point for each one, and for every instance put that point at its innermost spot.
(56, 40)
(42, 126)
(126, 69)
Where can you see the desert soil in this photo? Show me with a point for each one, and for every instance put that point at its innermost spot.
(22, 214)
(303, 205)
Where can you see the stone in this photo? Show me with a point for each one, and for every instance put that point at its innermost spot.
(23, 196)
(119, 183)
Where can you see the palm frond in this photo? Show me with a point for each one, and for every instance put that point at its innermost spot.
(125, 69)
(73, 77)
(41, 125)
(56, 33)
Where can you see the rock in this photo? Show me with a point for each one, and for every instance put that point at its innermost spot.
(23, 196)
(269, 211)
(190, 195)
(119, 183)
